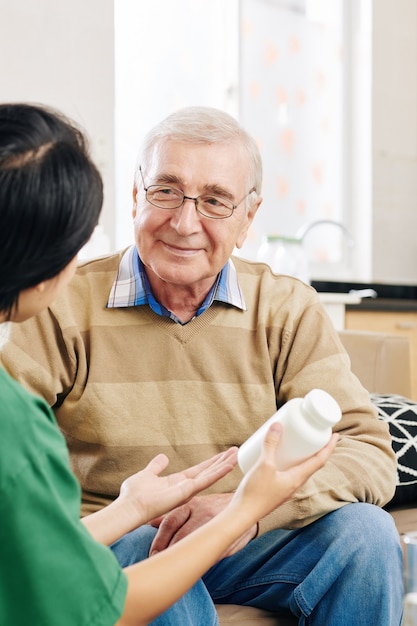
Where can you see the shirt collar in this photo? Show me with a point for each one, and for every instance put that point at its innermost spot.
(131, 287)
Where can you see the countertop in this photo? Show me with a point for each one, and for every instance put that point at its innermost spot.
(399, 298)
(383, 304)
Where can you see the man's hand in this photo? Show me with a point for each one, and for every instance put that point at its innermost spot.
(184, 519)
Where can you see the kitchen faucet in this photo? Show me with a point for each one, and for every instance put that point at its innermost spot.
(303, 230)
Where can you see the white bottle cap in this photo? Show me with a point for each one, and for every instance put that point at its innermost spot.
(322, 407)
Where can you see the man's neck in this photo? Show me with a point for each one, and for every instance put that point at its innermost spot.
(181, 300)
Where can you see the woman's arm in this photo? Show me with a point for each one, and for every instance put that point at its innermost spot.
(155, 584)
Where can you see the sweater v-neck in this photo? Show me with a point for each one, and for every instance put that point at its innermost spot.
(185, 332)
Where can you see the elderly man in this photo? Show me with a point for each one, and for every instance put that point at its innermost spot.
(176, 346)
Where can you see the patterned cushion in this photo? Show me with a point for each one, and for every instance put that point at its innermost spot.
(401, 415)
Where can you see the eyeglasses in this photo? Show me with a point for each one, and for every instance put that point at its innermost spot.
(167, 197)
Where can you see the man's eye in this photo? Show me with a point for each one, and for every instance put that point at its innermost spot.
(213, 201)
(166, 191)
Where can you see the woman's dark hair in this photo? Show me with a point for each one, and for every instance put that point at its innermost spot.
(51, 195)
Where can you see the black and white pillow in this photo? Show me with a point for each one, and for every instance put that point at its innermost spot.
(401, 415)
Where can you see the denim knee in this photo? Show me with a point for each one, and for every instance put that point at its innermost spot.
(134, 546)
(374, 526)
(358, 579)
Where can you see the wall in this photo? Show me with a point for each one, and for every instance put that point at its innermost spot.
(61, 53)
(394, 141)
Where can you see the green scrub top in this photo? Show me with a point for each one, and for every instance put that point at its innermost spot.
(51, 570)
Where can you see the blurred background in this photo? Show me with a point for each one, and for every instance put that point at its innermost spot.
(328, 88)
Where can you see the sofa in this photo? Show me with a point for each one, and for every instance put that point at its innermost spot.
(382, 364)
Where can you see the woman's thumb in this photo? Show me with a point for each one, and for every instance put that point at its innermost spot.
(272, 439)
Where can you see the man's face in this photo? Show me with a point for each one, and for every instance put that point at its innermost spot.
(180, 246)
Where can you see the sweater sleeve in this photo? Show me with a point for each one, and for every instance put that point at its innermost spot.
(363, 466)
(39, 357)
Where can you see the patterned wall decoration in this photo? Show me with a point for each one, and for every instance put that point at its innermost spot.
(292, 95)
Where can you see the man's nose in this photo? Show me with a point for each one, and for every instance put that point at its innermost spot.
(186, 217)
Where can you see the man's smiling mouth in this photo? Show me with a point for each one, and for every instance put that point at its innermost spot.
(183, 251)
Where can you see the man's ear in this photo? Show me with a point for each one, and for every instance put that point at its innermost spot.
(134, 197)
(249, 219)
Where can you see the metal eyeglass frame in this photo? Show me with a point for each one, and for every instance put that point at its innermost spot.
(195, 200)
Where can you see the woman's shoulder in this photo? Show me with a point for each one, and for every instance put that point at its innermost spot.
(25, 419)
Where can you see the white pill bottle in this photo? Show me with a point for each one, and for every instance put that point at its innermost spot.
(307, 427)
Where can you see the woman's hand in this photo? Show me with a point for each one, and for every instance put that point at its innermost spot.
(146, 495)
(264, 487)
(152, 495)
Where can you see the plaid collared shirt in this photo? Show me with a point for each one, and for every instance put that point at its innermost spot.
(131, 288)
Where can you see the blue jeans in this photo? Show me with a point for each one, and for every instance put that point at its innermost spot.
(195, 608)
(345, 569)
